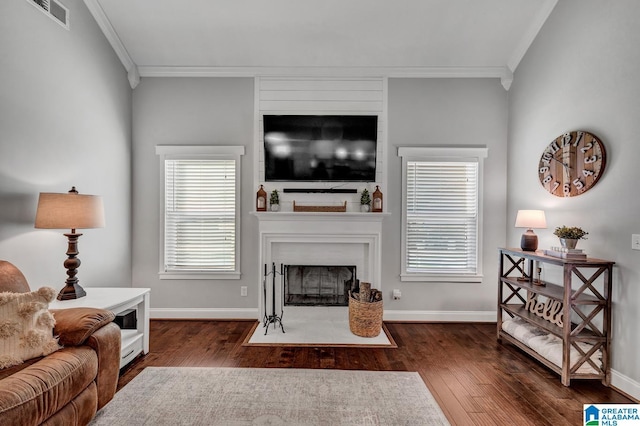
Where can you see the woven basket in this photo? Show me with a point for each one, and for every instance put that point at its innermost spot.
(365, 319)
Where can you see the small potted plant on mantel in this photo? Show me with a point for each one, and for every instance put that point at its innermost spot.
(274, 200)
(569, 235)
(365, 201)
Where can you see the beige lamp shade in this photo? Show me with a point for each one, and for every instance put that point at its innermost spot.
(69, 211)
(531, 219)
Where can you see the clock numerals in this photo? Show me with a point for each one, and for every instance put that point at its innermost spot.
(587, 173)
(578, 184)
(587, 147)
(589, 160)
(543, 169)
(578, 138)
(547, 179)
(566, 189)
(555, 186)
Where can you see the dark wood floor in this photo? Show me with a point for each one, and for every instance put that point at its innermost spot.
(476, 380)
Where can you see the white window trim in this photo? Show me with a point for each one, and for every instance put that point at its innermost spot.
(204, 151)
(441, 153)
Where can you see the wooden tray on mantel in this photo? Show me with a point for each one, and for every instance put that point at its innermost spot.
(324, 209)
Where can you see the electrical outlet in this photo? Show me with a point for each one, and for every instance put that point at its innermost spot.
(243, 290)
(396, 294)
(635, 241)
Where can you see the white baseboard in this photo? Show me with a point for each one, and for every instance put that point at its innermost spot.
(441, 316)
(204, 313)
(625, 384)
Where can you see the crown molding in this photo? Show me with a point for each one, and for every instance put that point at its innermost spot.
(503, 73)
(116, 44)
(530, 35)
(507, 78)
(320, 71)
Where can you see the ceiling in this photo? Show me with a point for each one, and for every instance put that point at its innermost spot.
(477, 38)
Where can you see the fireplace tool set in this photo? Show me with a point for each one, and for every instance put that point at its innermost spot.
(273, 318)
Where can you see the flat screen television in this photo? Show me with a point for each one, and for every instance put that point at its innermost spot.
(320, 148)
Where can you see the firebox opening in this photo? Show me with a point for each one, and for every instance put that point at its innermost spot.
(313, 285)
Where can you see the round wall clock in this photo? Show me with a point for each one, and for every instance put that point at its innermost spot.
(572, 164)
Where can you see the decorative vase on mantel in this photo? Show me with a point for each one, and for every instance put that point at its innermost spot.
(568, 243)
(261, 200)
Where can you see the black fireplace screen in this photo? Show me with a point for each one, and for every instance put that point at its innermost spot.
(313, 285)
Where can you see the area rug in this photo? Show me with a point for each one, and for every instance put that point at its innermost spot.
(271, 396)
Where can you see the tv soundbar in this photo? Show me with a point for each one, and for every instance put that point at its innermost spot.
(323, 191)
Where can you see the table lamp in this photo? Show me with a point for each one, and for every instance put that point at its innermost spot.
(530, 219)
(73, 211)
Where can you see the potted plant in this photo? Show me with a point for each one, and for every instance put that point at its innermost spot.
(365, 200)
(274, 200)
(569, 235)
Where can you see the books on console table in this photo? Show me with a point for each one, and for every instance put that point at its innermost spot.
(565, 253)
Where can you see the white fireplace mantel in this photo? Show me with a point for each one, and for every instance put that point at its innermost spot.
(319, 238)
(320, 216)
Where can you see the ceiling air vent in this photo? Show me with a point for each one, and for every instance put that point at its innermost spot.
(54, 9)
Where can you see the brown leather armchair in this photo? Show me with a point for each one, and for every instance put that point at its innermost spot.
(68, 386)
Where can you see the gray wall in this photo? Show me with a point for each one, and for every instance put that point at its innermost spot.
(220, 111)
(447, 112)
(65, 119)
(191, 111)
(582, 73)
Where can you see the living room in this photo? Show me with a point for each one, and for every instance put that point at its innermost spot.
(73, 114)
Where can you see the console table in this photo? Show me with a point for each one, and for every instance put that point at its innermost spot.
(583, 302)
(117, 300)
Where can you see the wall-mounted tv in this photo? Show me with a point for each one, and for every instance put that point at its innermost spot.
(332, 148)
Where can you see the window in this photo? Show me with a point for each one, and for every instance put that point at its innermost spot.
(200, 212)
(442, 208)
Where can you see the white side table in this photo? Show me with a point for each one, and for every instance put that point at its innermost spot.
(117, 300)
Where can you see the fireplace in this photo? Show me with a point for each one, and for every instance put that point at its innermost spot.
(351, 240)
(318, 285)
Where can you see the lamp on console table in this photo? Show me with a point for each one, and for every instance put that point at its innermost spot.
(530, 219)
(72, 211)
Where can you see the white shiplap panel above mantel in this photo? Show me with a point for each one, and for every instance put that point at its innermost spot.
(322, 95)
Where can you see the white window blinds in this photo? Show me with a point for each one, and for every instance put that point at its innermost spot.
(442, 217)
(200, 211)
(442, 213)
(200, 215)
